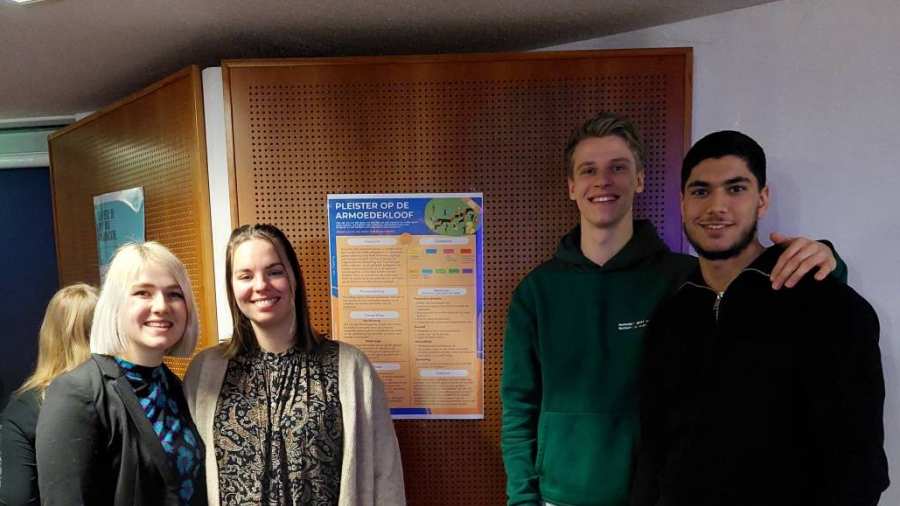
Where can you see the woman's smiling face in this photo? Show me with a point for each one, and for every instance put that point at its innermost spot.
(262, 284)
(154, 315)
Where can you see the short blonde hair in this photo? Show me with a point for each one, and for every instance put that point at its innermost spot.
(63, 338)
(602, 125)
(107, 334)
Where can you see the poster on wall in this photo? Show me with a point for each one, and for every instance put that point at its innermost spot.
(407, 289)
(119, 218)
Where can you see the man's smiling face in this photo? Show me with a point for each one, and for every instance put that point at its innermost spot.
(720, 207)
(604, 180)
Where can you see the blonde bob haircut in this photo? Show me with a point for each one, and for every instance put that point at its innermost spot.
(107, 333)
(63, 338)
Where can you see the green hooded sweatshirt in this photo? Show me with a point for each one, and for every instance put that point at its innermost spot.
(571, 357)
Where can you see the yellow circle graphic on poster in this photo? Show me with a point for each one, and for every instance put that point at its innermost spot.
(452, 216)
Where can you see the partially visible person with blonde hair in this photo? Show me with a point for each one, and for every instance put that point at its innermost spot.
(62, 346)
(116, 430)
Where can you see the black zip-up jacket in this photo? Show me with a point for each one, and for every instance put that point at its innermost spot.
(759, 397)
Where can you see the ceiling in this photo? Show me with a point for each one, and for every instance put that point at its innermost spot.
(63, 57)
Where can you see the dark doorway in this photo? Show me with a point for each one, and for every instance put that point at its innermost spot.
(28, 266)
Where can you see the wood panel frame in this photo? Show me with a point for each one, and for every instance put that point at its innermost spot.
(154, 138)
(445, 462)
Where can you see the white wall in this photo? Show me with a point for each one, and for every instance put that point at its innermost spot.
(219, 190)
(817, 83)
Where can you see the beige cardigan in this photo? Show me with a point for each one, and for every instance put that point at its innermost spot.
(371, 473)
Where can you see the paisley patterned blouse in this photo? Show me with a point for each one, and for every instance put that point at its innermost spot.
(277, 429)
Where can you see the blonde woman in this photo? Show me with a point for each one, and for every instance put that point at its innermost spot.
(288, 416)
(62, 346)
(116, 430)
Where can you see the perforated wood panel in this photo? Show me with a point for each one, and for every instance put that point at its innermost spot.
(300, 129)
(154, 139)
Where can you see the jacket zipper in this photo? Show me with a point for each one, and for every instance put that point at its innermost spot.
(719, 296)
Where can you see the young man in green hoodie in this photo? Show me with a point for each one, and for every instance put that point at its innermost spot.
(575, 325)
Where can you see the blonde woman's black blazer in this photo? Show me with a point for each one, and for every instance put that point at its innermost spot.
(95, 445)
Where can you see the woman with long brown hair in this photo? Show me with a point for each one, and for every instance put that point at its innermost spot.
(62, 345)
(288, 416)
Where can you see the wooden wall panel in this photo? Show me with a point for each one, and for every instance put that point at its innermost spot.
(496, 123)
(155, 139)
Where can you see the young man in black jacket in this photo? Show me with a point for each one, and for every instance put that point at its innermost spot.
(752, 396)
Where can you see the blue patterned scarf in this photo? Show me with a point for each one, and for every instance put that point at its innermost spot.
(170, 423)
